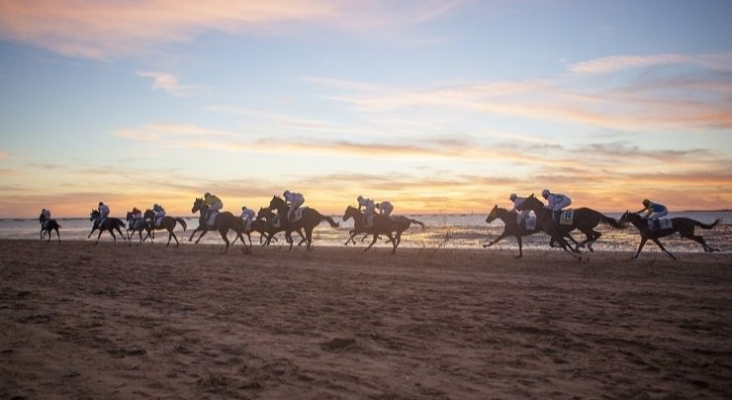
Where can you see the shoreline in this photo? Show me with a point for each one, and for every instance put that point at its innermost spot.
(86, 321)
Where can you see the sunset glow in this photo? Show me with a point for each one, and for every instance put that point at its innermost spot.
(440, 106)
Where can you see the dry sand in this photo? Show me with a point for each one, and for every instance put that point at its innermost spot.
(80, 321)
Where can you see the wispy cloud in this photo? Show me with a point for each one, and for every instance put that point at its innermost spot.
(106, 30)
(169, 83)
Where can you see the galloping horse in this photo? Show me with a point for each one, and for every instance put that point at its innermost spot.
(383, 225)
(684, 226)
(47, 225)
(109, 224)
(266, 217)
(167, 223)
(585, 220)
(310, 219)
(511, 227)
(137, 225)
(224, 222)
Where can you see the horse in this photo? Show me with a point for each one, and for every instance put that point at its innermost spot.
(511, 227)
(109, 224)
(223, 222)
(359, 226)
(137, 225)
(310, 219)
(684, 226)
(585, 220)
(266, 220)
(545, 219)
(168, 223)
(382, 225)
(47, 225)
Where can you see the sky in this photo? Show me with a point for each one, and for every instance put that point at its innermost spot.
(439, 106)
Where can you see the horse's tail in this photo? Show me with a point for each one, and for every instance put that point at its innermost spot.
(182, 222)
(330, 221)
(118, 222)
(707, 226)
(611, 221)
(414, 221)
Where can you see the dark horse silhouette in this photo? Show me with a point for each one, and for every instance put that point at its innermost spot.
(109, 224)
(511, 227)
(138, 225)
(684, 226)
(310, 219)
(47, 225)
(383, 225)
(168, 223)
(223, 222)
(266, 225)
(585, 220)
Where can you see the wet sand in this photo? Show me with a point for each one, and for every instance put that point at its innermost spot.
(112, 322)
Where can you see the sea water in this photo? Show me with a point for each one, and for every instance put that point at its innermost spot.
(453, 231)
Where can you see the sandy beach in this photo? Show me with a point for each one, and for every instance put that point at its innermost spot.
(81, 321)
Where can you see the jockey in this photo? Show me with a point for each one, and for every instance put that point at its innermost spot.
(385, 208)
(247, 214)
(520, 215)
(654, 211)
(555, 202)
(213, 202)
(159, 213)
(295, 200)
(136, 218)
(45, 216)
(368, 212)
(103, 212)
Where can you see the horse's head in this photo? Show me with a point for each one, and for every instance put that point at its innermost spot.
(129, 215)
(629, 217)
(277, 203)
(531, 203)
(493, 215)
(265, 213)
(148, 214)
(198, 204)
(94, 214)
(351, 212)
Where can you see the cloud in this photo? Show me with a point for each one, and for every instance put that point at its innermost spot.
(623, 62)
(105, 30)
(691, 98)
(168, 83)
(4, 155)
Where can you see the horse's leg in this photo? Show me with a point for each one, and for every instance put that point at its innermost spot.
(170, 236)
(496, 240)
(111, 232)
(655, 240)
(58, 235)
(308, 239)
(376, 236)
(699, 240)
(350, 238)
(194, 232)
(640, 247)
(223, 233)
(520, 243)
(394, 242)
(100, 235)
(203, 233)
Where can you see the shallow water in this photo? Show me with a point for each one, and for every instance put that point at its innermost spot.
(441, 231)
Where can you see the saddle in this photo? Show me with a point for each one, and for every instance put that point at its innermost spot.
(660, 224)
(158, 222)
(212, 218)
(566, 217)
(530, 223)
(296, 215)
